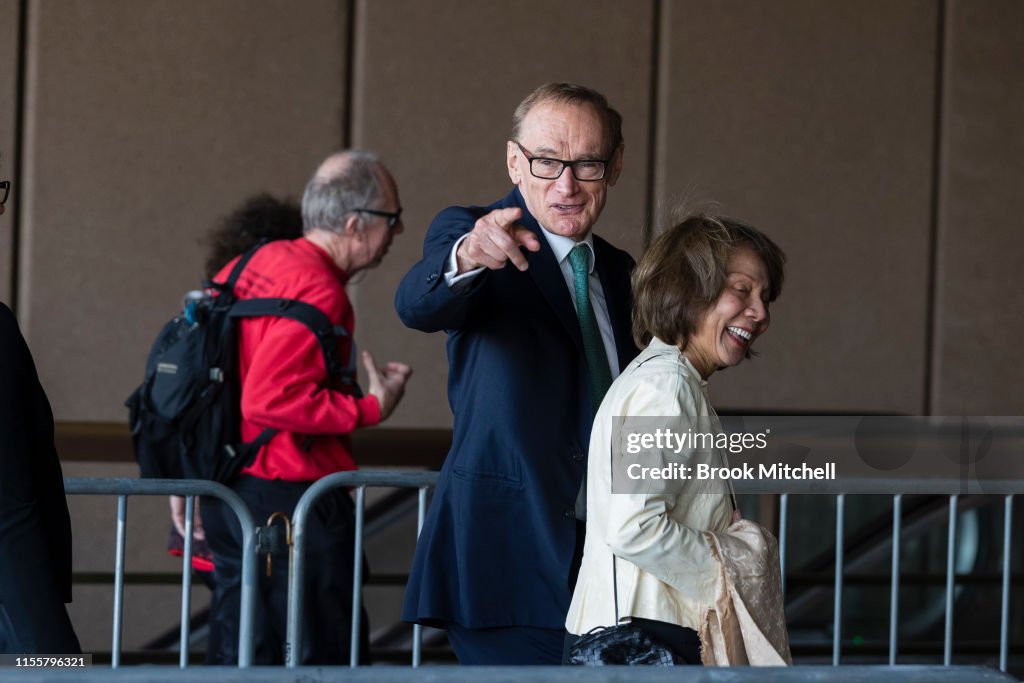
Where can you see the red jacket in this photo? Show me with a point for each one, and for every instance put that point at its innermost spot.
(284, 381)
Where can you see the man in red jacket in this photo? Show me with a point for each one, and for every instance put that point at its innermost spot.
(350, 213)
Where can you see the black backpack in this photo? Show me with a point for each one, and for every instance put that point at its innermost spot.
(185, 416)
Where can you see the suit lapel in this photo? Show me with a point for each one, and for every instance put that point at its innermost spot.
(617, 298)
(547, 275)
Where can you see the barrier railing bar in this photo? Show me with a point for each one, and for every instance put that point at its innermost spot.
(417, 630)
(783, 536)
(894, 591)
(888, 487)
(186, 582)
(947, 646)
(515, 674)
(293, 629)
(124, 487)
(357, 578)
(293, 646)
(837, 617)
(122, 519)
(1004, 618)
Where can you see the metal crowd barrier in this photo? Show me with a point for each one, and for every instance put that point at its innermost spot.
(897, 488)
(189, 489)
(519, 674)
(360, 480)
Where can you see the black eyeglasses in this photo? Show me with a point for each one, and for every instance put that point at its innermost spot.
(5, 187)
(392, 216)
(551, 169)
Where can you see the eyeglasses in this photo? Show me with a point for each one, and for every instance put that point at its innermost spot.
(392, 216)
(5, 188)
(551, 169)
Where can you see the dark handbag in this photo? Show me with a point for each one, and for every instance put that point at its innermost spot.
(626, 644)
(621, 644)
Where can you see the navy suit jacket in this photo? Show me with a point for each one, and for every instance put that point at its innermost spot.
(498, 542)
(35, 529)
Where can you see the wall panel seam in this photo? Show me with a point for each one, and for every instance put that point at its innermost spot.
(652, 123)
(350, 61)
(19, 166)
(932, 362)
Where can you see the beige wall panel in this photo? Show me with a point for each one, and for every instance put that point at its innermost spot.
(435, 87)
(814, 121)
(147, 122)
(9, 13)
(979, 318)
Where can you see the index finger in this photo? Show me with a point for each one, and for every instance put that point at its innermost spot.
(525, 237)
(504, 218)
(370, 363)
(403, 368)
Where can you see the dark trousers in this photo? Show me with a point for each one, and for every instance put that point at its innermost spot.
(327, 604)
(511, 645)
(516, 645)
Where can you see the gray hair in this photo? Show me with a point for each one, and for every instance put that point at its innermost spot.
(330, 196)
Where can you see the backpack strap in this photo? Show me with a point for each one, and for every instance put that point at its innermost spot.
(326, 335)
(312, 317)
(228, 286)
(317, 322)
(254, 446)
(243, 261)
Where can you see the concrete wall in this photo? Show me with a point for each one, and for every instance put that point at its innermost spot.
(814, 121)
(145, 121)
(979, 242)
(874, 141)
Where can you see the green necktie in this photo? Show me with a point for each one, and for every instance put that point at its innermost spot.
(593, 346)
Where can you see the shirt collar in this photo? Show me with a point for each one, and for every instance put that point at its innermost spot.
(562, 245)
(322, 253)
(658, 347)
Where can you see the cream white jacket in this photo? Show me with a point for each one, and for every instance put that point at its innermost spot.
(666, 569)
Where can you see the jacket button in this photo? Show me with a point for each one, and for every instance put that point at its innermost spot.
(569, 513)
(577, 455)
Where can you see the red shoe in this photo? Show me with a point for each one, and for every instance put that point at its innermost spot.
(202, 558)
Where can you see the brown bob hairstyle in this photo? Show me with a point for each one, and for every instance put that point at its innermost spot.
(683, 272)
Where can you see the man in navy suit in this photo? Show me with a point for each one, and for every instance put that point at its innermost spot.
(537, 311)
(35, 529)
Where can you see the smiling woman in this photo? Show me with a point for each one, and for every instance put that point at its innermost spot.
(705, 286)
(701, 296)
